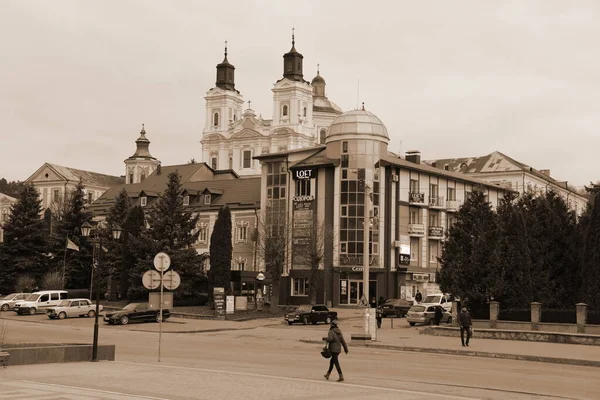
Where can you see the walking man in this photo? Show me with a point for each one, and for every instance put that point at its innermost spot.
(465, 325)
(418, 296)
(336, 341)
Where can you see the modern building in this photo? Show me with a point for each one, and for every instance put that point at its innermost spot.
(232, 137)
(331, 187)
(6, 203)
(54, 184)
(501, 169)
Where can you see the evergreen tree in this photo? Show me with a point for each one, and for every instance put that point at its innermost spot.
(469, 257)
(119, 259)
(221, 250)
(591, 255)
(25, 247)
(12, 188)
(77, 264)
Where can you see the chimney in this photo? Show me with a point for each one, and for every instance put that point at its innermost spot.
(158, 169)
(545, 172)
(414, 156)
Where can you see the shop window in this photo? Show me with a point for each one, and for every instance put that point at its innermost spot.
(300, 287)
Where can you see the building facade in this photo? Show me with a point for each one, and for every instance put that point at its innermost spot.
(410, 206)
(6, 203)
(232, 136)
(141, 164)
(501, 169)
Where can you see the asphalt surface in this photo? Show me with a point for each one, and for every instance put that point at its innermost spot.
(265, 359)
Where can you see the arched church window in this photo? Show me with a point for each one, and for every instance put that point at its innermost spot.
(142, 176)
(285, 111)
(213, 163)
(322, 136)
(216, 119)
(304, 112)
(230, 162)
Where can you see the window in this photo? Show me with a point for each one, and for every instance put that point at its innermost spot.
(64, 295)
(230, 162)
(344, 211)
(451, 194)
(284, 112)
(299, 287)
(414, 249)
(44, 297)
(53, 296)
(304, 112)
(242, 232)
(433, 251)
(434, 219)
(433, 194)
(216, 119)
(413, 215)
(55, 195)
(131, 177)
(241, 265)
(142, 176)
(451, 221)
(186, 200)
(213, 163)
(207, 199)
(4, 215)
(414, 186)
(202, 234)
(303, 187)
(247, 163)
(322, 136)
(90, 198)
(344, 147)
(143, 201)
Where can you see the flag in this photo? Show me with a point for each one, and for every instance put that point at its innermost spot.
(71, 245)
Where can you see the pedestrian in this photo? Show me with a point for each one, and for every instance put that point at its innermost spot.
(438, 315)
(465, 325)
(373, 302)
(418, 296)
(378, 317)
(335, 341)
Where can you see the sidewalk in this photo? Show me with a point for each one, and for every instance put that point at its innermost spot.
(406, 338)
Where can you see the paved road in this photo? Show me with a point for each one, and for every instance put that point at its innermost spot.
(270, 363)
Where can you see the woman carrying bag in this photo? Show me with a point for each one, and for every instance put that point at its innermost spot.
(335, 341)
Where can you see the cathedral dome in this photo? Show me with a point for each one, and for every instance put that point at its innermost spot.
(357, 122)
(318, 80)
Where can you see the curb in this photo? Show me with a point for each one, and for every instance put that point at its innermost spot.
(504, 356)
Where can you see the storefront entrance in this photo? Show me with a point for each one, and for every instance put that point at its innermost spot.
(351, 291)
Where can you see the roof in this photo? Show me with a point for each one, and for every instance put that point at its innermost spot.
(286, 152)
(357, 122)
(7, 197)
(392, 160)
(317, 159)
(492, 163)
(87, 177)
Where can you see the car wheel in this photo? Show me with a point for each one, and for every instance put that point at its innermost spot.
(411, 323)
(290, 322)
(449, 320)
(4, 307)
(305, 321)
(91, 313)
(124, 320)
(62, 315)
(328, 320)
(32, 311)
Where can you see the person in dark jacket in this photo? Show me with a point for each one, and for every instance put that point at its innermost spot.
(418, 296)
(373, 302)
(437, 317)
(465, 325)
(335, 340)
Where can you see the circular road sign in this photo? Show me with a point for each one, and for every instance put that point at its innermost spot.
(151, 279)
(162, 261)
(171, 280)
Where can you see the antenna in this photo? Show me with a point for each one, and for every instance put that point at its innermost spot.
(357, 91)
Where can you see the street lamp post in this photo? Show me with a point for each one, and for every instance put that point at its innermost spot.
(86, 229)
(260, 277)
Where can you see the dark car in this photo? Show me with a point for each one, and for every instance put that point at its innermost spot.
(394, 308)
(311, 315)
(135, 312)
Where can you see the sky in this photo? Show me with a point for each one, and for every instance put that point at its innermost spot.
(451, 79)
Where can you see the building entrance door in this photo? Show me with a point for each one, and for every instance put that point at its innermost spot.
(356, 291)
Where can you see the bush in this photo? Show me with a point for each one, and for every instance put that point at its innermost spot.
(197, 300)
(515, 314)
(52, 280)
(480, 312)
(25, 284)
(79, 293)
(593, 317)
(560, 316)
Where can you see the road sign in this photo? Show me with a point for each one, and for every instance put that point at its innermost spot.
(162, 261)
(151, 279)
(171, 280)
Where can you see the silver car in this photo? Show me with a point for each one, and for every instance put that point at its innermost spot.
(425, 314)
(73, 308)
(8, 302)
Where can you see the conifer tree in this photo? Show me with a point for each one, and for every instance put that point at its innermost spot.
(591, 255)
(221, 250)
(25, 247)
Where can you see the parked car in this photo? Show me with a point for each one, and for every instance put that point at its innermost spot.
(73, 308)
(308, 314)
(394, 307)
(135, 312)
(40, 301)
(8, 302)
(438, 299)
(424, 314)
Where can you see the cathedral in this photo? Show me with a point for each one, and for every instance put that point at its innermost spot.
(232, 136)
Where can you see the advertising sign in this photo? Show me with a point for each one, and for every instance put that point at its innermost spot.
(219, 298)
(230, 305)
(302, 224)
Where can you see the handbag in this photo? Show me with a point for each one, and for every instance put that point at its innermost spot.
(326, 353)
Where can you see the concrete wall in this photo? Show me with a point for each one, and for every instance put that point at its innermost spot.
(46, 354)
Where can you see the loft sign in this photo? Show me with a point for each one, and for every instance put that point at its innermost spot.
(303, 173)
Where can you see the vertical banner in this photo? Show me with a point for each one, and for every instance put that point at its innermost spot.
(302, 231)
(219, 299)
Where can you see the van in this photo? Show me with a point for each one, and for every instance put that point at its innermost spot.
(438, 299)
(40, 301)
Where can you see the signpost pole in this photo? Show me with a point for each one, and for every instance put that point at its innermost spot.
(160, 307)
(366, 231)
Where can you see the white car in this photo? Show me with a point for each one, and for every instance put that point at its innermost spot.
(437, 299)
(8, 302)
(40, 301)
(73, 308)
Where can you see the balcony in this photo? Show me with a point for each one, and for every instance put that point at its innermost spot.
(436, 202)
(436, 232)
(415, 198)
(416, 230)
(452, 205)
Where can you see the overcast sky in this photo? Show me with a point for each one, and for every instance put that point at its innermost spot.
(448, 78)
